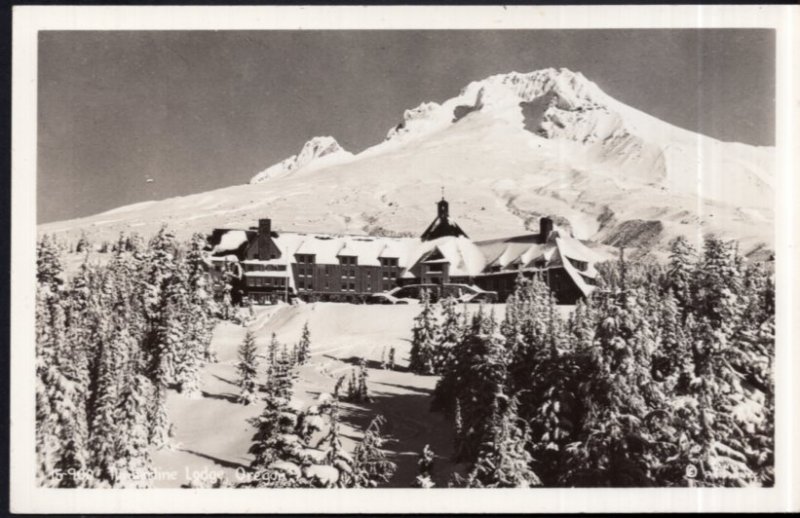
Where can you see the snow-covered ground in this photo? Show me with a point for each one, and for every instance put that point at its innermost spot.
(212, 434)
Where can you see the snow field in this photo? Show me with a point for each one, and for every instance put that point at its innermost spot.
(212, 435)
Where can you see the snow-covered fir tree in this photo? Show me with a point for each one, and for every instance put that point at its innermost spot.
(247, 369)
(49, 270)
(424, 338)
(503, 460)
(371, 468)
(133, 464)
(83, 244)
(450, 334)
(304, 346)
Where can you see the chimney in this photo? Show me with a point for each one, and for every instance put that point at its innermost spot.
(545, 227)
(265, 246)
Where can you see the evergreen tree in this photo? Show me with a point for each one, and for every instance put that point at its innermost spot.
(304, 347)
(362, 392)
(133, 464)
(277, 419)
(103, 410)
(371, 468)
(681, 271)
(425, 338)
(199, 315)
(61, 429)
(49, 270)
(482, 375)
(248, 369)
(83, 244)
(503, 460)
(449, 336)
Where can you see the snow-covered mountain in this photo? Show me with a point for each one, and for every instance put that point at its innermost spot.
(508, 149)
(317, 152)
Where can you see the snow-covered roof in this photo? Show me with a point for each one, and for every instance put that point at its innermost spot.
(395, 248)
(524, 250)
(574, 249)
(325, 248)
(231, 241)
(464, 256)
(367, 250)
(515, 250)
(576, 276)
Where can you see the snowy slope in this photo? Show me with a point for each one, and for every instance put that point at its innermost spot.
(508, 149)
(316, 153)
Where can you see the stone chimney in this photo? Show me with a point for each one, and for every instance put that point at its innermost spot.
(266, 249)
(545, 227)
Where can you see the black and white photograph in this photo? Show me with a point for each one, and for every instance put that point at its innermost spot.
(379, 255)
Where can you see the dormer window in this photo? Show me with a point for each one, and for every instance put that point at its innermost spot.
(349, 260)
(305, 258)
(389, 262)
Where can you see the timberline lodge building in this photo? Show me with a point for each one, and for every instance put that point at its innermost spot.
(267, 266)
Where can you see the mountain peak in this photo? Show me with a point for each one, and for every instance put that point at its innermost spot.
(317, 152)
(571, 89)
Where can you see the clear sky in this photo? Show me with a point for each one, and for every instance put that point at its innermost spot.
(206, 109)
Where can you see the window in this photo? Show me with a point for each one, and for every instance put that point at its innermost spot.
(388, 261)
(305, 258)
(349, 260)
(580, 265)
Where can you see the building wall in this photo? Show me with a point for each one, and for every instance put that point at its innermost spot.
(350, 280)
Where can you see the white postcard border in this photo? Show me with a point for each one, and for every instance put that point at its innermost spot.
(28, 20)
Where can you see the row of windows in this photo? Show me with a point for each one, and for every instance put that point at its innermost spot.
(305, 270)
(266, 281)
(348, 286)
(348, 260)
(251, 267)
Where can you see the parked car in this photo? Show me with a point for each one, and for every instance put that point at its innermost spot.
(475, 294)
(393, 296)
(412, 294)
